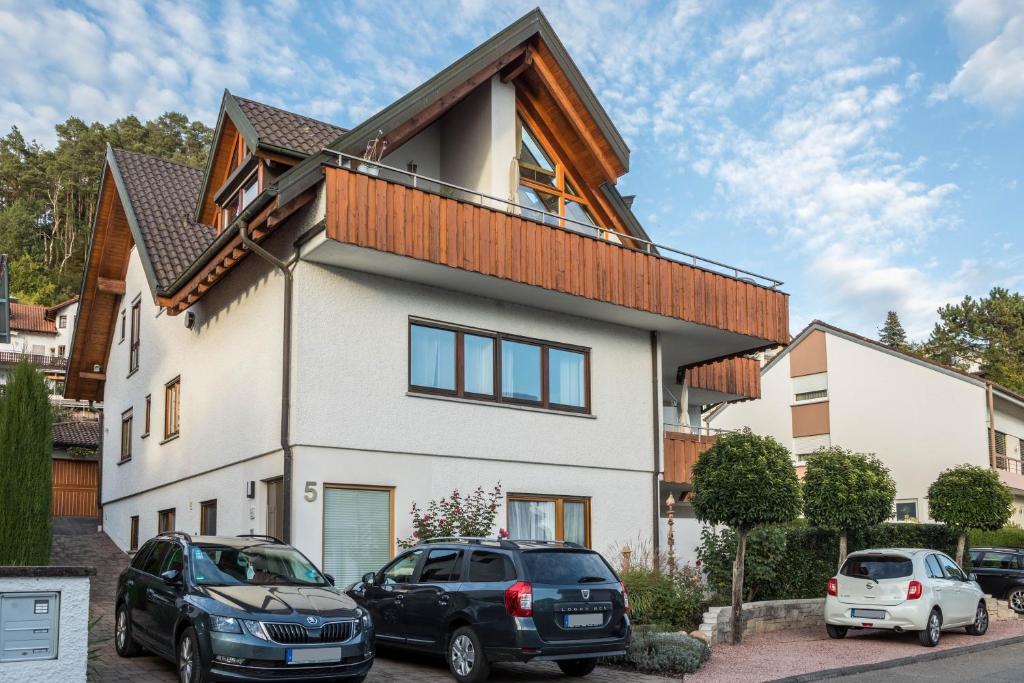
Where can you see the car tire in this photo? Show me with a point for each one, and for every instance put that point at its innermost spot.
(836, 632)
(932, 632)
(577, 668)
(466, 658)
(187, 659)
(124, 643)
(1015, 599)
(980, 625)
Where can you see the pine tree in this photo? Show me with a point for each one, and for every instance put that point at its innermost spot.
(26, 446)
(892, 333)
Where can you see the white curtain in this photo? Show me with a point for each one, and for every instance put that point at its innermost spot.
(566, 371)
(433, 358)
(574, 518)
(479, 364)
(531, 520)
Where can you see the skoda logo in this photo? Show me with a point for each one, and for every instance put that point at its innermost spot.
(586, 593)
(311, 621)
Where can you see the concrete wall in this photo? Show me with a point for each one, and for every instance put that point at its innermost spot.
(72, 634)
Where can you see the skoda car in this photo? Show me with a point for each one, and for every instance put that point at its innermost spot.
(904, 589)
(246, 608)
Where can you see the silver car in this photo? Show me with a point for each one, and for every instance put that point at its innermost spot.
(904, 589)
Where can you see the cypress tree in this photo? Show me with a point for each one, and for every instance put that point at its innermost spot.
(26, 448)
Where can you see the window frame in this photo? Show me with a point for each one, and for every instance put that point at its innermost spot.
(124, 319)
(497, 396)
(204, 509)
(127, 418)
(133, 533)
(173, 512)
(62, 322)
(146, 416)
(172, 396)
(133, 344)
(906, 501)
(559, 501)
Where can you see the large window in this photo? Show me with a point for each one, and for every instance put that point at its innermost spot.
(470, 363)
(544, 185)
(126, 434)
(549, 518)
(172, 407)
(358, 530)
(133, 348)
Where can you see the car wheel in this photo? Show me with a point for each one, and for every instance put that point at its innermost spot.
(190, 665)
(1015, 598)
(929, 637)
(466, 657)
(980, 624)
(124, 643)
(577, 668)
(836, 631)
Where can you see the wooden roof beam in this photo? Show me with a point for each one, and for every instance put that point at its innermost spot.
(511, 72)
(108, 285)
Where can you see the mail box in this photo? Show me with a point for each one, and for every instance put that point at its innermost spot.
(28, 626)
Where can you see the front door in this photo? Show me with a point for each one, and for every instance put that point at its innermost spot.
(275, 508)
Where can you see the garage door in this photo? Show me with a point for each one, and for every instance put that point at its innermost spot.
(358, 531)
(74, 488)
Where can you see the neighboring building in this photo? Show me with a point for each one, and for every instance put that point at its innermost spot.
(479, 306)
(43, 336)
(76, 468)
(831, 387)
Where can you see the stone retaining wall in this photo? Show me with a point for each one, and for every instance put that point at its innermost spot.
(777, 615)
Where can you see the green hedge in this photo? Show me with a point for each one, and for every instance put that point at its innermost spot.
(1007, 537)
(796, 560)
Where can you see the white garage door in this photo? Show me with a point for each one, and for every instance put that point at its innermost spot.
(358, 536)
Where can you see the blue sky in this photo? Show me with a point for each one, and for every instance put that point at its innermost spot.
(870, 154)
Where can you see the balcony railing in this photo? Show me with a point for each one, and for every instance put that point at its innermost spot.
(464, 194)
(43, 361)
(701, 431)
(1008, 464)
(681, 453)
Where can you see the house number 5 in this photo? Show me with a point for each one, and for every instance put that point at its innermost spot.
(310, 491)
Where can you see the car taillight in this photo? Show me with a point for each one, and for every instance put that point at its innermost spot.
(519, 599)
(914, 590)
(833, 587)
(625, 596)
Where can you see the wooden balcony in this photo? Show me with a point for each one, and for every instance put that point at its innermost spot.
(443, 226)
(736, 378)
(681, 453)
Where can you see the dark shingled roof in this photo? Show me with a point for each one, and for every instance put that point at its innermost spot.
(163, 195)
(285, 129)
(85, 433)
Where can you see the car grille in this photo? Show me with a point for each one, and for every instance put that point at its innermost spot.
(336, 631)
(287, 633)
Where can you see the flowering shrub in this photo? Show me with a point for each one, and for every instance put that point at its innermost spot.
(456, 515)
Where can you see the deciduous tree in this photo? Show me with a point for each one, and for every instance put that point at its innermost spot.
(969, 497)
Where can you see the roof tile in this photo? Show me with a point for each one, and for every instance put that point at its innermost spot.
(286, 129)
(31, 318)
(85, 433)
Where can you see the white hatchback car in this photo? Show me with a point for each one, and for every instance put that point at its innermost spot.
(904, 589)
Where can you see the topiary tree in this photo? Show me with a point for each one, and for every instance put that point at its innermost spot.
(844, 490)
(745, 481)
(969, 497)
(26, 449)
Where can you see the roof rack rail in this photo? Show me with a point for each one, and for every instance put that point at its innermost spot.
(547, 541)
(475, 540)
(175, 534)
(275, 539)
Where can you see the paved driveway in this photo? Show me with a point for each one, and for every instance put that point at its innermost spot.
(76, 542)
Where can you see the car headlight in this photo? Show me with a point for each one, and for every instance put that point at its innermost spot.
(224, 624)
(255, 629)
(365, 622)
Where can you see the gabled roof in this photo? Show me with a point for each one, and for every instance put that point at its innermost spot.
(158, 196)
(31, 318)
(284, 130)
(51, 312)
(83, 433)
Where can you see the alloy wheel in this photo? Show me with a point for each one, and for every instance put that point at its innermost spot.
(933, 627)
(121, 630)
(1017, 601)
(186, 660)
(463, 655)
(981, 619)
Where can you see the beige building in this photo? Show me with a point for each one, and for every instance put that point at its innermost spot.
(831, 387)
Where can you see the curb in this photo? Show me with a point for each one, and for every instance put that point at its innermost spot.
(902, 661)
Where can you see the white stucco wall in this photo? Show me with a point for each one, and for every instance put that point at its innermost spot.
(64, 335)
(478, 139)
(72, 634)
(26, 342)
(424, 150)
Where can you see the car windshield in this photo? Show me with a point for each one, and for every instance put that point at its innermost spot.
(252, 565)
(876, 568)
(566, 567)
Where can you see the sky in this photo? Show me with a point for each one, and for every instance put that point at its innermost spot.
(868, 154)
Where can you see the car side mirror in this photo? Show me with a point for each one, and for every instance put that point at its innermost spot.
(172, 577)
(330, 579)
(972, 577)
(368, 578)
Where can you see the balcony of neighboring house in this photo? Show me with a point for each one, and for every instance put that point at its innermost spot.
(43, 361)
(1007, 459)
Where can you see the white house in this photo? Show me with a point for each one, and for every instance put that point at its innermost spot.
(325, 326)
(831, 387)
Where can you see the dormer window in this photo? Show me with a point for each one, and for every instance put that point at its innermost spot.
(544, 185)
(239, 192)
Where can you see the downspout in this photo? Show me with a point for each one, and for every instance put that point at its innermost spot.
(286, 371)
(656, 420)
(990, 400)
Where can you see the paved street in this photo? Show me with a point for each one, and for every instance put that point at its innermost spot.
(998, 665)
(76, 542)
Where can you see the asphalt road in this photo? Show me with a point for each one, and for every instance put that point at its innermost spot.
(999, 665)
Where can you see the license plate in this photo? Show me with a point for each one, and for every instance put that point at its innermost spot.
(868, 613)
(313, 655)
(589, 620)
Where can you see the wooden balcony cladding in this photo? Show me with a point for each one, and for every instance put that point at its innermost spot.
(390, 217)
(739, 376)
(681, 453)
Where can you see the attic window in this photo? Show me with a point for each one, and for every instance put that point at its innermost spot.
(545, 187)
(243, 197)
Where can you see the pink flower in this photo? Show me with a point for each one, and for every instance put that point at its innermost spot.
(698, 563)
(502, 533)
(458, 511)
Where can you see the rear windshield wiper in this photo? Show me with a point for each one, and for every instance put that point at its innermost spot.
(592, 579)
